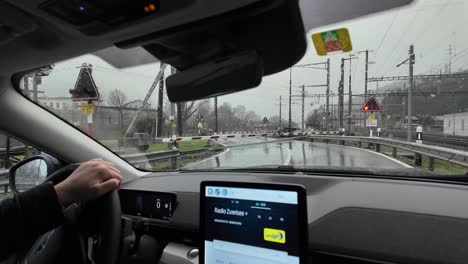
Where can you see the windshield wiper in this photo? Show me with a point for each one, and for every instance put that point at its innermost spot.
(403, 173)
(336, 170)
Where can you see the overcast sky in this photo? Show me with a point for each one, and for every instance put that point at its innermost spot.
(431, 25)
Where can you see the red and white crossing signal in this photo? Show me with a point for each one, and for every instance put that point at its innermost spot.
(85, 89)
(371, 105)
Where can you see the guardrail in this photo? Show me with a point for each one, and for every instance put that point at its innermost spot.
(143, 158)
(432, 152)
(13, 151)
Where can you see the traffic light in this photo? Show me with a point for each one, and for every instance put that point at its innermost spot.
(85, 88)
(371, 105)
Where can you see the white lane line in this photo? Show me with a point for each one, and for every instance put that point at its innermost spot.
(207, 159)
(288, 160)
(382, 155)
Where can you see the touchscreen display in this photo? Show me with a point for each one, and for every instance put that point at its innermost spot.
(250, 225)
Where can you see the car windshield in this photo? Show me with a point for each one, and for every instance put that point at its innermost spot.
(309, 116)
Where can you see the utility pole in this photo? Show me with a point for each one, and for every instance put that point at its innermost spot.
(385, 113)
(147, 97)
(340, 96)
(173, 110)
(216, 113)
(327, 121)
(317, 66)
(366, 77)
(450, 60)
(26, 86)
(35, 79)
(350, 98)
(280, 113)
(410, 91)
(404, 105)
(290, 98)
(411, 61)
(303, 100)
(160, 106)
(350, 94)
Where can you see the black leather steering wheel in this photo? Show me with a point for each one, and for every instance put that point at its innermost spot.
(96, 223)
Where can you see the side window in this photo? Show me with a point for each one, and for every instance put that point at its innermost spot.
(31, 174)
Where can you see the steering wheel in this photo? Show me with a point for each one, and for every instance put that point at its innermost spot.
(96, 224)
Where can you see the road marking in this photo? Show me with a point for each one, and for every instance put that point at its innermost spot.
(383, 155)
(288, 160)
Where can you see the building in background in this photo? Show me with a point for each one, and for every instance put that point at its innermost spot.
(61, 103)
(456, 124)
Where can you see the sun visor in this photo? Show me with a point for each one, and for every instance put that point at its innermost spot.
(125, 58)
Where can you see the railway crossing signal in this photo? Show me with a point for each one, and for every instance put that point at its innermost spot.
(85, 88)
(371, 105)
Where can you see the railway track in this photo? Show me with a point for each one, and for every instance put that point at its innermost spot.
(456, 142)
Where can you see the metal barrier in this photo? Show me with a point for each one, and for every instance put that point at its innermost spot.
(145, 158)
(433, 152)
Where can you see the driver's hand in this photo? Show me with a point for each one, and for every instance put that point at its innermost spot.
(89, 181)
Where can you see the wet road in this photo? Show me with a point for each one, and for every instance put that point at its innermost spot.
(295, 153)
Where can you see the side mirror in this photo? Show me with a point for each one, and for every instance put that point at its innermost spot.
(31, 172)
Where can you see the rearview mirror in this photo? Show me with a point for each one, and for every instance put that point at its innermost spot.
(30, 172)
(226, 75)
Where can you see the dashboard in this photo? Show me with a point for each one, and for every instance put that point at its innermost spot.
(349, 219)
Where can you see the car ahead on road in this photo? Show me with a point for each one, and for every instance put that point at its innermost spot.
(125, 81)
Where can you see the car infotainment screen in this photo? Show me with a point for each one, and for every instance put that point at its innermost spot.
(244, 223)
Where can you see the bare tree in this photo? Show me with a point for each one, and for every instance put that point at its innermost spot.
(118, 99)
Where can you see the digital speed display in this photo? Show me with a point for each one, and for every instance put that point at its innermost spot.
(155, 205)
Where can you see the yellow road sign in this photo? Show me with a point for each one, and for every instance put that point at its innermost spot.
(87, 109)
(174, 125)
(332, 41)
(372, 117)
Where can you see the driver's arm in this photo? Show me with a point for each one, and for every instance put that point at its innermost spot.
(29, 214)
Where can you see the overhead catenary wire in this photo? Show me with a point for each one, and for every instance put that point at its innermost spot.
(388, 29)
(389, 62)
(423, 31)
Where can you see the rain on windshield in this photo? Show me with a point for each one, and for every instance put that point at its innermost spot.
(313, 114)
